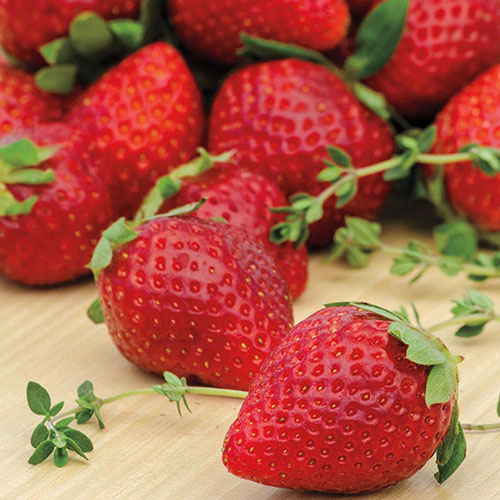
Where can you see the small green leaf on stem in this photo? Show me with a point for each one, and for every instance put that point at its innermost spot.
(61, 457)
(40, 434)
(38, 399)
(56, 409)
(95, 312)
(42, 452)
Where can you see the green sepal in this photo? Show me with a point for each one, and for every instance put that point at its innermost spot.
(130, 33)
(38, 399)
(58, 51)
(40, 434)
(9, 206)
(381, 311)
(42, 452)
(445, 449)
(187, 209)
(58, 79)
(457, 456)
(377, 38)
(373, 100)
(90, 35)
(95, 312)
(119, 233)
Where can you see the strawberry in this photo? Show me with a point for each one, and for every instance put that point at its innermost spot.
(198, 297)
(339, 406)
(145, 116)
(50, 218)
(212, 29)
(445, 44)
(472, 116)
(23, 29)
(280, 116)
(243, 199)
(22, 104)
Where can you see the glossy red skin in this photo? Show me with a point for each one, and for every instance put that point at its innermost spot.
(336, 408)
(472, 116)
(446, 43)
(198, 298)
(22, 103)
(54, 243)
(279, 116)
(212, 29)
(146, 118)
(243, 199)
(24, 29)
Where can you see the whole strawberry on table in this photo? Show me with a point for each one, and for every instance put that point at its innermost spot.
(313, 113)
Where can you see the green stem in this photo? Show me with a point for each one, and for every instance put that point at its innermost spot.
(459, 320)
(433, 260)
(481, 427)
(436, 159)
(208, 391)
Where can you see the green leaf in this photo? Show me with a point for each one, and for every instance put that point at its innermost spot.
(330, 174)
(402, 266)
(426, 138)
(175, 389)
(457, 239)
(262, 48)
(84, 416)
(363, 232)
(372, 100)
(164, 188)
(279, 233)
(101, 258)
(445, 449)
(130, 33)
(61, 424)
(21, 153)
(95, 312)
(356, 257)
(345, 192)
(42, 451)
(441, 384)
(61, 457)
(185, 209)
(56, 409)
(30, 176)
(451, 266)
(38, 399)
(40, 434)
(377, 38)
(385, 313)
(90, 35)
(85, 403)
(80, 438)
(59, 79)
(339, 156)
(315, 212)
(456, 458)
(422, 349)
(59, 51)
(498, 407)
(9, 206)
(470, 330)
(85, 389)
(486, 159)
(73, 446)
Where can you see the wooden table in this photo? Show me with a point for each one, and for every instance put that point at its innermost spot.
(148, 451)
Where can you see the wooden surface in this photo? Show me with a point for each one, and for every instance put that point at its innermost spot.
(147, 451)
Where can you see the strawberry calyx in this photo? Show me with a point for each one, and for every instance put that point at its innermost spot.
(94, 44)
(17, 160)
(54, 435)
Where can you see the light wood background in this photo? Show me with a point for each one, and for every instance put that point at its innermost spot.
(148, 451)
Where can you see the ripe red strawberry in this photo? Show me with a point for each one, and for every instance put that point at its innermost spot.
(243, 199)
(200, 298)
(146, 117)
(279, 116)
(338, 407)
(22, 104)
(212, 29)
(24, 29)
(445, 44)
(54, 242)
(472, 116)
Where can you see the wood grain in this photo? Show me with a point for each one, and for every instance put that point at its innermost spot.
(147, 451)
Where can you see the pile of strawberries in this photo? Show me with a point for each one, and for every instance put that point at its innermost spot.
(105, 109)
